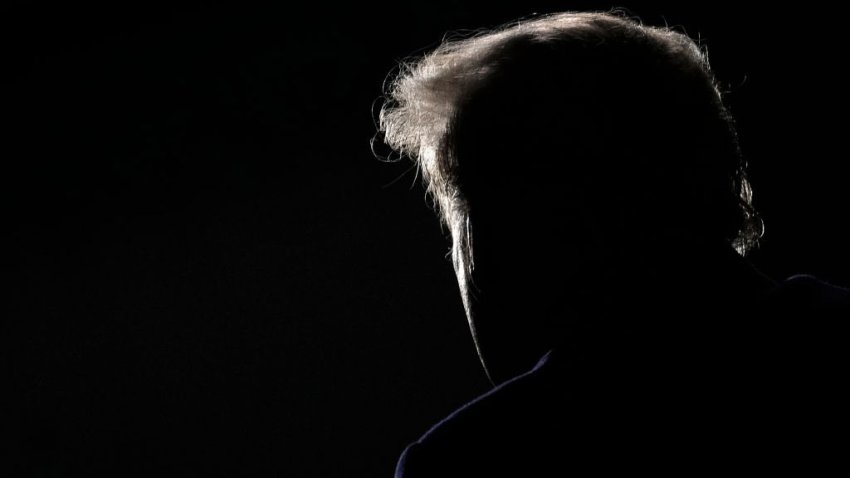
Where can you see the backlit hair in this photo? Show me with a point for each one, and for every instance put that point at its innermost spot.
(427, 97)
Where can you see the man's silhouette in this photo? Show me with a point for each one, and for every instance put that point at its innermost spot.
(590, 178)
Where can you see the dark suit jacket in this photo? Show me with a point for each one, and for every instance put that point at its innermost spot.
(761, 393)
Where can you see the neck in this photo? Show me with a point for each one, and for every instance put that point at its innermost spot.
(697, 297)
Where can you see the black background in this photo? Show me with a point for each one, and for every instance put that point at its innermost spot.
(212, 275)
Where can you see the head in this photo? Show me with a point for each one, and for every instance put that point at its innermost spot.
(564, 154)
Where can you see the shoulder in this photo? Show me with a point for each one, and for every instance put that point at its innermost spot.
(817, 289)
(801, 343)
(474, 438)
(804, 291)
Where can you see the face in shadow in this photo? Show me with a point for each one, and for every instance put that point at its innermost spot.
(595, 181)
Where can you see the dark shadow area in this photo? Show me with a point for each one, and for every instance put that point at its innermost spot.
(210, 274)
